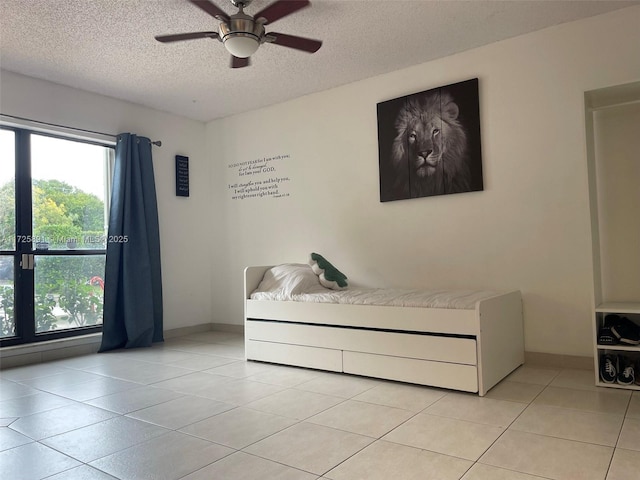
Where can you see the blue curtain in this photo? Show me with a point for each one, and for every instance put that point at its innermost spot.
(132, 283)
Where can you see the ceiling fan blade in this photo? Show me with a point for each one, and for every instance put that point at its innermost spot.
(211, 8)
(299, 43)
(185, 36)
(237, 62)
(280, 9)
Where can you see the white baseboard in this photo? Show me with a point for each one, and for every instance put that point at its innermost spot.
(181, 331)
(552, 360)
(228, 327)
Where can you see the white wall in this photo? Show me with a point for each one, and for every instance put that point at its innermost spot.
(529, 228)
(184, 222)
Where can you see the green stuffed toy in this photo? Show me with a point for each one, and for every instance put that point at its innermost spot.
(330, 276)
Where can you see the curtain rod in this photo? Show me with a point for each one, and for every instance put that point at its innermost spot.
(157, 142)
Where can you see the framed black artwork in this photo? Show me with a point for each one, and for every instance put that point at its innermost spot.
(429, 143)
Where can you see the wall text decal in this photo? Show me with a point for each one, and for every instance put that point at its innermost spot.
(258, 178)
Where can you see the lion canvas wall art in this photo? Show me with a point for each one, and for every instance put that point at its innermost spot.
(429, 143)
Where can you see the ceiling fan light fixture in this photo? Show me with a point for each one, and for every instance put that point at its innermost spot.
(241, 44)
(243, 34)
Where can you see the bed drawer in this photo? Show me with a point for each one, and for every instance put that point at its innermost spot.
(423, 372)
(301, 356)
(423, 347)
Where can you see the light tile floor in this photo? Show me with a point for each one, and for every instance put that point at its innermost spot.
(192, 408)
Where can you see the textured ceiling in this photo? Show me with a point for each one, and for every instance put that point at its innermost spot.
(108, 46)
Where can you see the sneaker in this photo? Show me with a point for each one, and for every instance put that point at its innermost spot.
(609, 368)
(605, 335)
(626, 373)
(625, 330)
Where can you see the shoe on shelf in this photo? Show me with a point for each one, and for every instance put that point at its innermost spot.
(626, 371)
(608, 368)
(605, 335)
(638, 373)
(624, 330)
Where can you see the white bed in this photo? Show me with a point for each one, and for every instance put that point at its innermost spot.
(470, 346)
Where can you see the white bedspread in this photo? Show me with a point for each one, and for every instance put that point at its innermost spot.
(278, 285)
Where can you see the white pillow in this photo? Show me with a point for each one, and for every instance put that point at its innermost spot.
(289, 279)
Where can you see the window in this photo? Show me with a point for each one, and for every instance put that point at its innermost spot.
(54, 205)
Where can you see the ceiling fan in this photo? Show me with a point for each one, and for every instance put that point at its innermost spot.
(242, 34)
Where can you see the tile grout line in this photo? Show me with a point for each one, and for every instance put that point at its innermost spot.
(529, 403)
(297, 421)
(615, 448)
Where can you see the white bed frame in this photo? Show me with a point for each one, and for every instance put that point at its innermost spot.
(468, 350)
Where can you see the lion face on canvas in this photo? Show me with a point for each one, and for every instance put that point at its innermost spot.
(429, 152)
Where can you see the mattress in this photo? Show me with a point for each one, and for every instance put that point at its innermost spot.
(298, 283)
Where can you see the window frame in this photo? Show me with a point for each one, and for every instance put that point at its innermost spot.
(24, 280)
